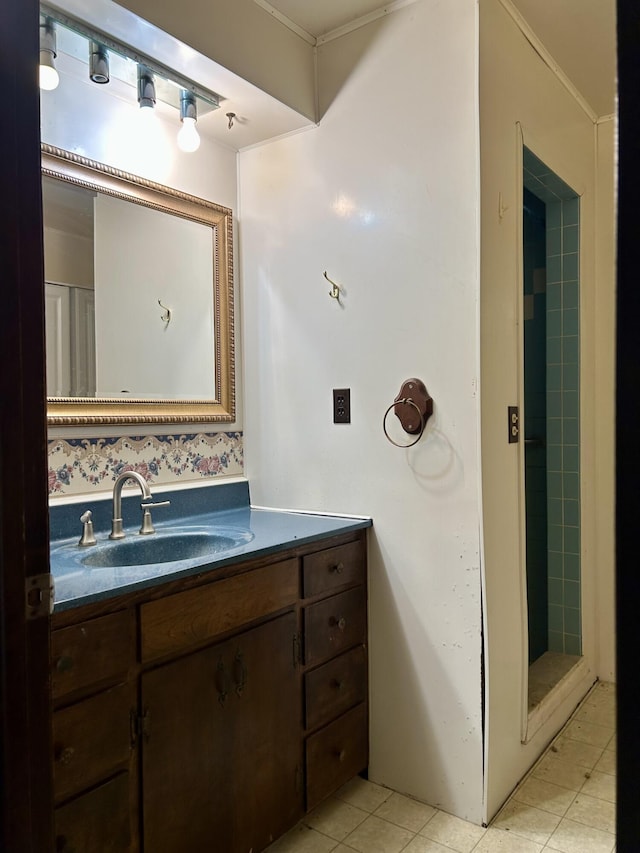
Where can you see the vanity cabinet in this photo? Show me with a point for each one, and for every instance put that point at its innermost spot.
(210, 713)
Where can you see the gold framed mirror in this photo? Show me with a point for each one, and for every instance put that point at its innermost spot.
(139, 286)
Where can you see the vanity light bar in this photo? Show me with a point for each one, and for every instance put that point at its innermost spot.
(160, 72)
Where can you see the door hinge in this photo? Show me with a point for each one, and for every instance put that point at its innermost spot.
(145, 725)
(297, 650)
(139, 726)
(39, 593)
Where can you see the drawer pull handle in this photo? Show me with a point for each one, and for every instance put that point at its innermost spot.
(338, 568)
(63, 846)
(341, 755)
(65, 756)
(64, 663)
(337, 684)
(339, 622)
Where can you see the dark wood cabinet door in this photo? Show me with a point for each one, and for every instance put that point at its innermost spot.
(222, 752)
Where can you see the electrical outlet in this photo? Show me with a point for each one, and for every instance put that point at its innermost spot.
(341, 406)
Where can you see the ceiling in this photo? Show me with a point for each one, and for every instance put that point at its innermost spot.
(581, 37)
(578, 34)
(317, 19)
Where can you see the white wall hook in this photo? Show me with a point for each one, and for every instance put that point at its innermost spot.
(335, 291)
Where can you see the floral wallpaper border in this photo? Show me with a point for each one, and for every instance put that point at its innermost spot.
(86, 465)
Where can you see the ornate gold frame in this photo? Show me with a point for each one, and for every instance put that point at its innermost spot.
(62, 411)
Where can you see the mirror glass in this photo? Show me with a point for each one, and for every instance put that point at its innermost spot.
(139, 300)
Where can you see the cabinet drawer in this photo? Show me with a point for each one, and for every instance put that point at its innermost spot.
(335, 754)
(334, 687)
(334, 625)
(333, 567)
(190, 618)
(97, 822)
(90, 739)
(92, 652)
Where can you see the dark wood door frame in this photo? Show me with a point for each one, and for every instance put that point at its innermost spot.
(25, 821)
(627, 431)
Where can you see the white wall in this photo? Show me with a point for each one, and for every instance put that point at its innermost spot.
(68, 258)
(519, 93)
(383, 195)
(145, 257)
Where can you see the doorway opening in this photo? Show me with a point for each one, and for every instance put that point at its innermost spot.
(551, 340)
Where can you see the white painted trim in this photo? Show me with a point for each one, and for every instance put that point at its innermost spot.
(286, 135)
(522, 499)
(547, 58)
(291, 25)
(362, 21)
(316, 83)
(546, 708)
(387, 9)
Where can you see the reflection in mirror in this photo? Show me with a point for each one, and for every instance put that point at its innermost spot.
(138, 298)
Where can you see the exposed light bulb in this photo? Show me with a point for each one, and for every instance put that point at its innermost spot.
(188, 136)
(147, 116)
(49, 77)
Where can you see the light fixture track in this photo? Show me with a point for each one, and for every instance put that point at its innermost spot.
(157, 68)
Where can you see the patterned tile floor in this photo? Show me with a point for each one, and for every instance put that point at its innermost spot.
(566, 804)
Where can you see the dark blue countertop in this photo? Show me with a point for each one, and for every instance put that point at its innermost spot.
(267, 531)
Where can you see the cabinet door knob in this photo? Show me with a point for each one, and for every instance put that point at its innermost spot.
(338, 568)
(341, 755)
(339, 622)
(64, 663)
(65, 756)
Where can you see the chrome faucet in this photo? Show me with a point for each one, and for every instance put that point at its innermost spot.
(116, 521)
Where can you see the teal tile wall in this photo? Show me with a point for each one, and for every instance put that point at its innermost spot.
(535, 422)
(563, 433)
(563, 403)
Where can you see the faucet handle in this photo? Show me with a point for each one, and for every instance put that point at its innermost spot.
(87, 537)
(147, 525)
